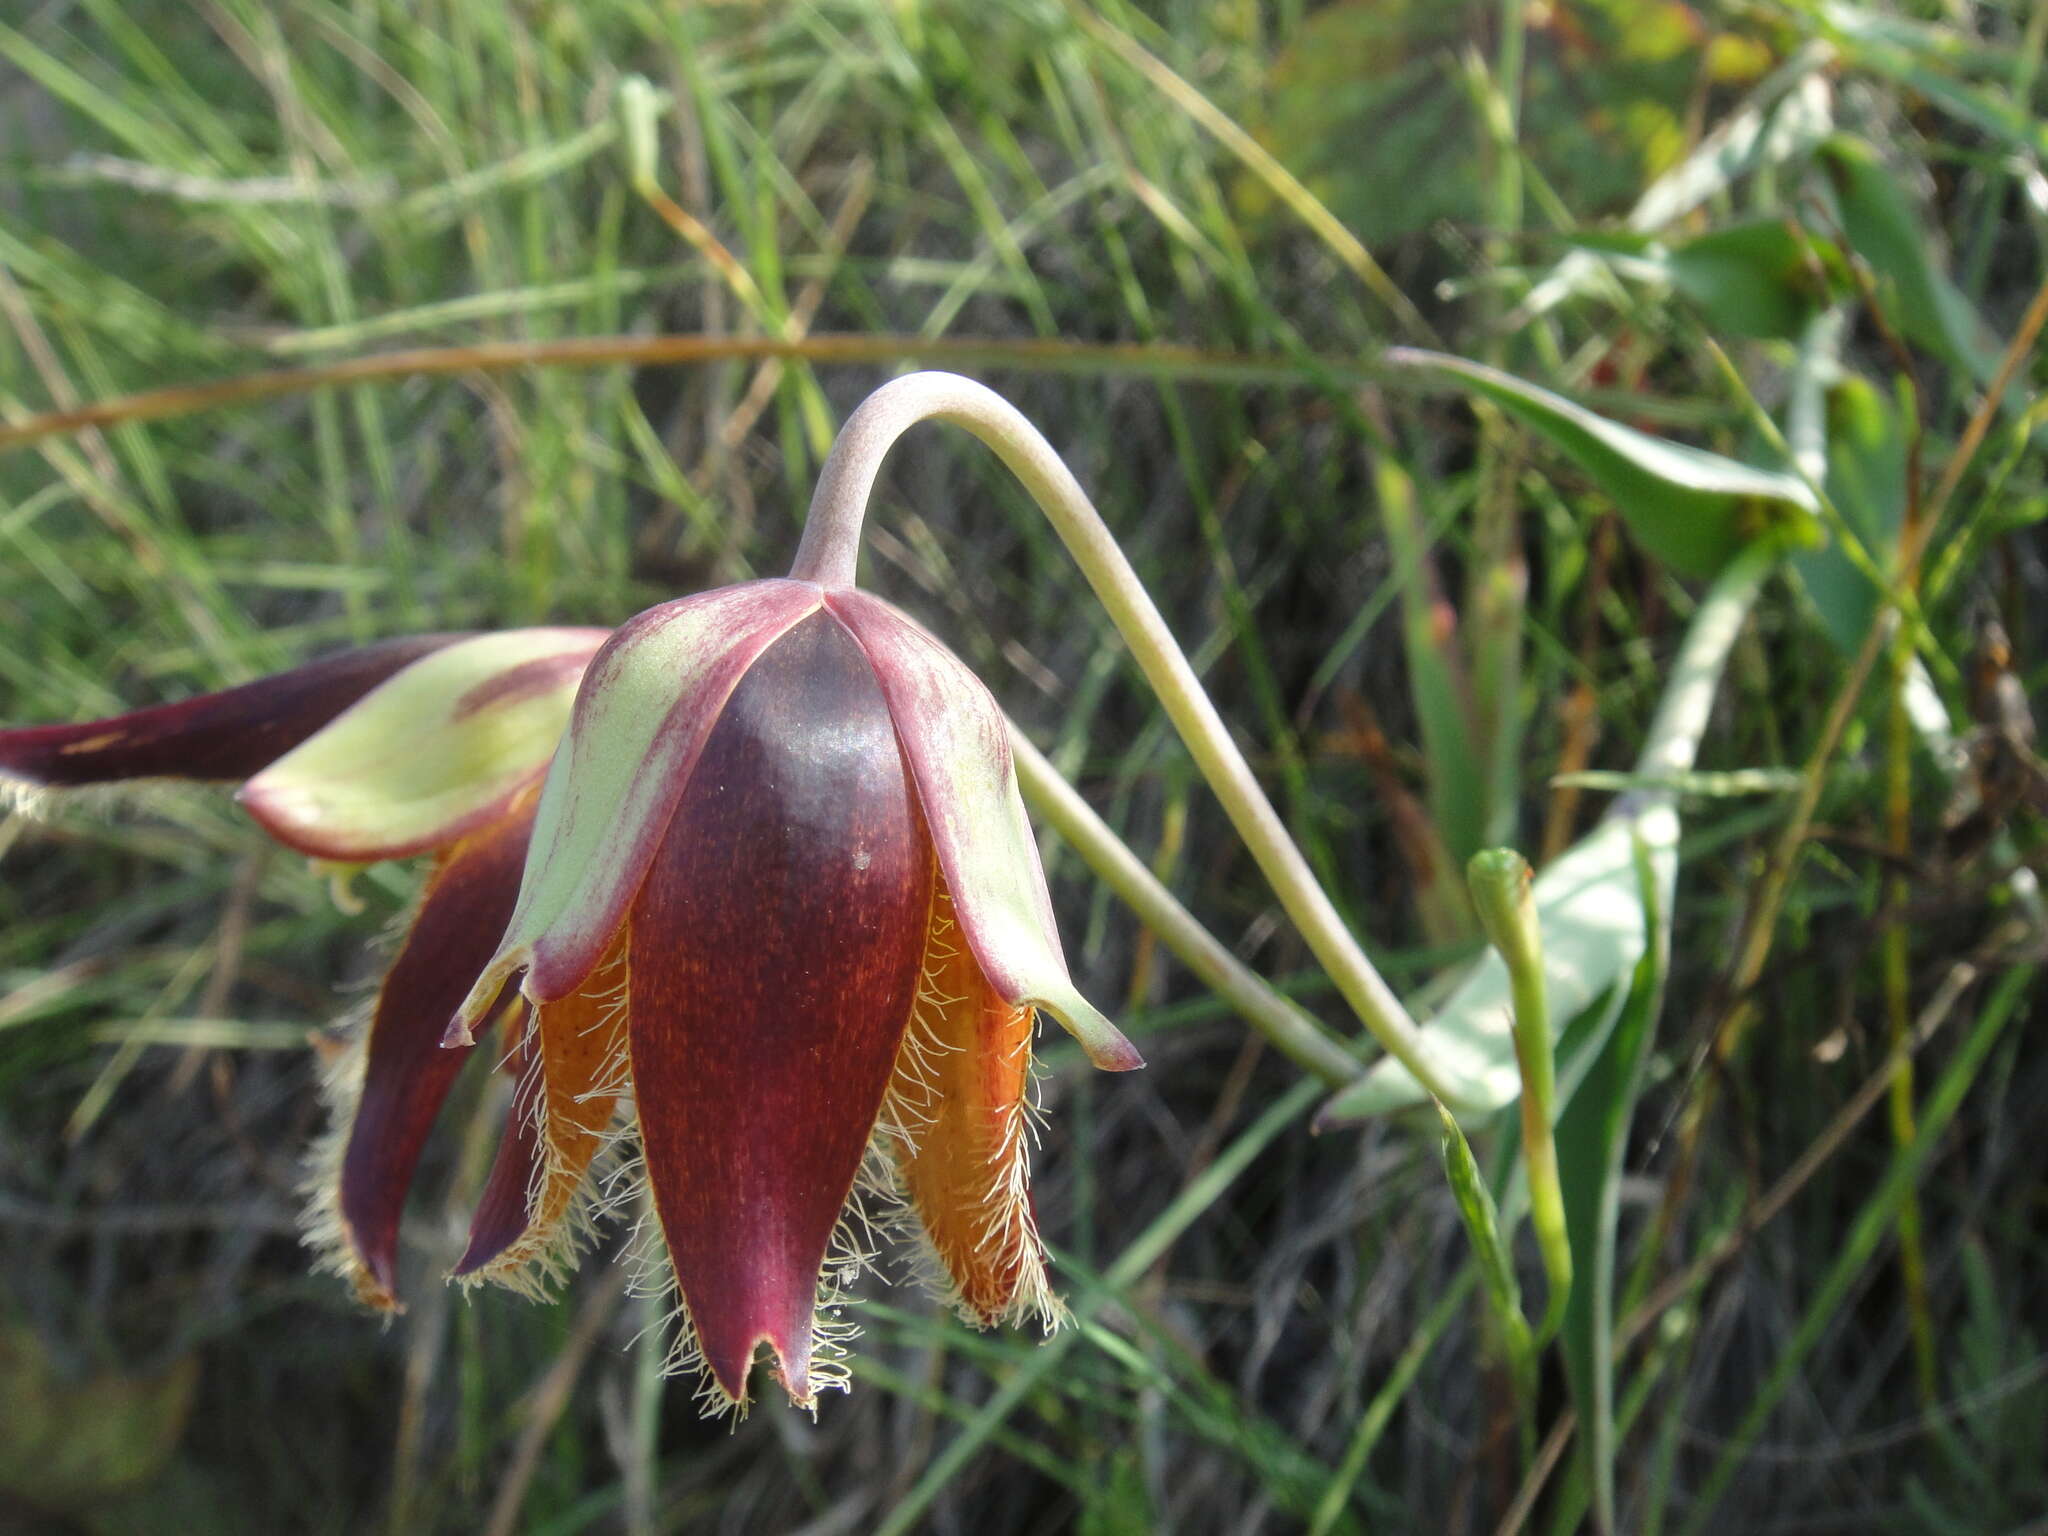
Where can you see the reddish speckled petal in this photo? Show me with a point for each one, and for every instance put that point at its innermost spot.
(217, 736)
(958, 749)
(776, 945)
(406, 1073)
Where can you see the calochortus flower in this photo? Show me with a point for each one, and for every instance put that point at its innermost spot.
(430, 745)
(782, 893)
(759, 915)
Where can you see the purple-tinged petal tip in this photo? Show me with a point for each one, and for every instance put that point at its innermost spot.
(221, 736)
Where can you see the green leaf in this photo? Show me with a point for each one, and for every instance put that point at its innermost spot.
(1866, 480)
(1756, 279)
(1782, 120)
(1845, 431)
(1592, 1136)
(1916, 293)
(1692, 509)
(1760, 278)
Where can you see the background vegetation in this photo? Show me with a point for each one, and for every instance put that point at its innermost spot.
(1804, 236)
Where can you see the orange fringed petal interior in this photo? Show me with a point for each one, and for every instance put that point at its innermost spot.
(960, 1094)
(571, 1065)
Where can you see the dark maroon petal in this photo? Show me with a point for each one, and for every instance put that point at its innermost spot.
(501, 1217)
(228, 735)
(570, 1066)
(773, 964)
(406, 1072)
(643, 711)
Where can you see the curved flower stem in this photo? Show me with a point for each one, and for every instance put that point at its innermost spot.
(1293, 1032)
(831, 547)
(1503, 899)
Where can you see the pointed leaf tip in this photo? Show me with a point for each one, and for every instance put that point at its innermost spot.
(1692, 509)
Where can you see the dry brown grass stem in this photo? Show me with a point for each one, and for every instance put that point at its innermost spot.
(1038, 355)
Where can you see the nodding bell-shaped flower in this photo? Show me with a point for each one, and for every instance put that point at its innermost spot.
(769, 934)
(429, 745)
(783, 912)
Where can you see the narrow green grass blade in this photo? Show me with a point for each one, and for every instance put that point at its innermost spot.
(1500, 883)
(1878, 1218)
(1437, 677)
(1496, 1265)
(1373, 1422)
(1866, 479)
(1592, 1136)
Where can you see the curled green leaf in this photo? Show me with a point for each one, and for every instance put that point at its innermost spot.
(1692, 509)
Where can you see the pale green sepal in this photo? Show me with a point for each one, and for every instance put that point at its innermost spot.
(957, 746)
(647, 705)
(431, 753)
